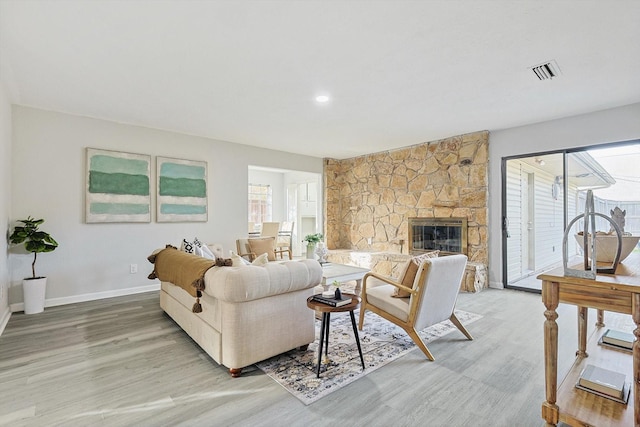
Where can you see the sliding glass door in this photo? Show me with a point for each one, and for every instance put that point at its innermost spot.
(542, 193)
(534, 217)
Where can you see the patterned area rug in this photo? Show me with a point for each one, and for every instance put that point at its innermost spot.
(382, 342)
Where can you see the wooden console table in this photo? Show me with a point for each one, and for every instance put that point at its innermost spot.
(619, 293)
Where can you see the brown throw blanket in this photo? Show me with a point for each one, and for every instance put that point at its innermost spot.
(181, 269)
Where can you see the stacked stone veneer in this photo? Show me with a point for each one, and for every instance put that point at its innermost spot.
(370, 198)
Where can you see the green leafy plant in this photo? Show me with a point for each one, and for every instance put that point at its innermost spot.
(34, 240)
(313, 238)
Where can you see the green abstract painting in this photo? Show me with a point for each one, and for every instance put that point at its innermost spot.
(117, 188)
(182, 190)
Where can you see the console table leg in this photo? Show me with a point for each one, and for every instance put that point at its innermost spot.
(583, 313)
(635, 310)
(550, 298)
(600, 320)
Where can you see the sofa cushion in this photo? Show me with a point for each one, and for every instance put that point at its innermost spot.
(263, 246)
(239, 284)
(409, 275)
(381, 296)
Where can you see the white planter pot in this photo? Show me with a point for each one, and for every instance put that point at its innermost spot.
(311, 251)
(33, 291)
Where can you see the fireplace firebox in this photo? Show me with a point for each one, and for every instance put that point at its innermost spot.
(449, 235)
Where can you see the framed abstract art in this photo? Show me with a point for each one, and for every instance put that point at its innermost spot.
(182, 190)
(117, 187)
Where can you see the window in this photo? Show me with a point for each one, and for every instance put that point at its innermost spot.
(259, 203)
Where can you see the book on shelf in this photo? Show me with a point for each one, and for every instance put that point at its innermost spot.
(605, 383)
(333, 302)
(617, 338)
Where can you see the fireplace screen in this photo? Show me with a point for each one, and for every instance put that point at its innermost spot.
(448, 235)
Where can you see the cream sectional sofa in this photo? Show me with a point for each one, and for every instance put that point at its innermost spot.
(249, 313)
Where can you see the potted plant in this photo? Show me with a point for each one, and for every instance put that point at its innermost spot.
(312, 240)
(35, 241)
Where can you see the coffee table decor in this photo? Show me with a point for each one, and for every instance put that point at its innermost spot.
(382, 342)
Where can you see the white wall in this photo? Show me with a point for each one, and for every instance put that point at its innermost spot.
(93, 260)
(5, 202)
(606, 126)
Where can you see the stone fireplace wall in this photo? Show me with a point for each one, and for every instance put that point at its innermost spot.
(370, 198)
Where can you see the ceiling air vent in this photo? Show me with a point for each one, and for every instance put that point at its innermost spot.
(546, 71)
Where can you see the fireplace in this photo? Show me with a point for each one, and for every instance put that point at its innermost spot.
(449, 235)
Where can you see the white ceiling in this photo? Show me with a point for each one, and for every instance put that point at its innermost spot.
(398, 72)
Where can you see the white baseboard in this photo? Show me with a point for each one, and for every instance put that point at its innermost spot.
(4, 320)
(496, 285)
(91, 297)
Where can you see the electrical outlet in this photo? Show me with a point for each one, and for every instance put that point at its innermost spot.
(133, 268)
(369, 240)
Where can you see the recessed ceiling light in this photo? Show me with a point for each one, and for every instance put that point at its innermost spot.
(322, 99)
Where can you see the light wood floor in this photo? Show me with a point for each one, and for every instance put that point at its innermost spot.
(123, 362)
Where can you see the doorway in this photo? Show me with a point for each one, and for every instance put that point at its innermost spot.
(294, 198)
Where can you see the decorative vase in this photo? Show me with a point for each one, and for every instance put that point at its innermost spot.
(338, 294)
(33, 292)
(311, 247)
(322, 252)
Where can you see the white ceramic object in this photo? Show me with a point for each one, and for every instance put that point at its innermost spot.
(607, 244)
(33, 292)
(311, 251)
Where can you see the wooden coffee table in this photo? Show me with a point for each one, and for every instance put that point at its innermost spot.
(326, 311)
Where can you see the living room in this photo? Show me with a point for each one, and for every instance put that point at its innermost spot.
(44, 144)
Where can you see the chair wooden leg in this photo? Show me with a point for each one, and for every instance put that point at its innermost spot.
(361, 320)
(416, 339)
(460, 326)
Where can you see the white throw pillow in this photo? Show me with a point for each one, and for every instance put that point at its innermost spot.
(201, 250)
(197, 250)
(206, 252)
(238, 261)
(261, 260)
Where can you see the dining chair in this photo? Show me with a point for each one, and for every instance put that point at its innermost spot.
(285, 239)
(270, 229)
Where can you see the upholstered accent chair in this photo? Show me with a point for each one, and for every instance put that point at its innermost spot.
(243, 249)
(251, 248)
(432, 297)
